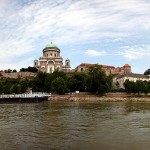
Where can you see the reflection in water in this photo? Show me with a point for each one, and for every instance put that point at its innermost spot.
(111, 125)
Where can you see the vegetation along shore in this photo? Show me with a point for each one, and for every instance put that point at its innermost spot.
(95, 82)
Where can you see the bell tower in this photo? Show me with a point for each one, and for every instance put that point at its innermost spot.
(67, 63)
(36, 63)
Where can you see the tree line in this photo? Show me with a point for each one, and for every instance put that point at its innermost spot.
(95, 81)
(29, 69)
(137, 87)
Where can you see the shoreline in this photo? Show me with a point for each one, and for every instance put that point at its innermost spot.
(110, 97)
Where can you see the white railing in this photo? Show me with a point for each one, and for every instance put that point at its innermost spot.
(25, 95)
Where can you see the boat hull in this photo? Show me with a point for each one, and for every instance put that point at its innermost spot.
(24, 99)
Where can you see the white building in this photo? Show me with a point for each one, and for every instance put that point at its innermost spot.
(51, 60)
(120, 79)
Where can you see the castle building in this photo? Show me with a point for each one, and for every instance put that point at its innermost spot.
(108, 69)
(120, 79)
(51, 60)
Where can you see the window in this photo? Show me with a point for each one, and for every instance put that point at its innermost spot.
(81, 69)
(50, 69)
(67, 64)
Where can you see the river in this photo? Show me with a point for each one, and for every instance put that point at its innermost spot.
(75, 126)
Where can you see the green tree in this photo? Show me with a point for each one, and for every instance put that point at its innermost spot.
(38, 83)
(97, 81)
(7, 88)
(130, 86)
(8, 71)
(14, 70)
(29, 69)
(1, 87)
(140, 86)
(32, 69)
(15, 89)
(23, 85)
(59, 85)
(48, 81)
(58, 73)
(77, 82)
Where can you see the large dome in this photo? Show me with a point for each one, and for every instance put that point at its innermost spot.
(51, 45)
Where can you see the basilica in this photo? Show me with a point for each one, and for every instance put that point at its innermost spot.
(51, 60)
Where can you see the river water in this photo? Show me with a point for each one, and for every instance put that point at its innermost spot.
(75, 126)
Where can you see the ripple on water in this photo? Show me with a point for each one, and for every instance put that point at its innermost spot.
(75, 126)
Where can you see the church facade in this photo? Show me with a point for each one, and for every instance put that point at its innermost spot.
(51, 60)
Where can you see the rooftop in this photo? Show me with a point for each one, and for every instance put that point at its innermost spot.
(51, 45)
(133, 75)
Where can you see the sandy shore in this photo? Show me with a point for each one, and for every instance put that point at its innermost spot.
(93, 98)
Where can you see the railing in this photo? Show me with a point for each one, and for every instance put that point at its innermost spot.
(25, 95)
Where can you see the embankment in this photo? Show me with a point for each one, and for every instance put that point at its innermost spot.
(93, 98)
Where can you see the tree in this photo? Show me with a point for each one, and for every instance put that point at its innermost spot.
(59, 85)
(130, 86)
(15, 89)
(1, 87)
(29, 69)
(97, 81)
(23, 85)
(8, 71)
(58, 73)
(140, 86)
(48, 82)
(38, 83)
(77, 82)
(137, 87)
(32, 69)
(14, 70)
(7, 87)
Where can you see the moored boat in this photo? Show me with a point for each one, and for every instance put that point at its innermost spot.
(24, 98)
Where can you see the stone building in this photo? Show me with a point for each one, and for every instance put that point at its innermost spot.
(120, 79)
(51, 60)
(108, 69)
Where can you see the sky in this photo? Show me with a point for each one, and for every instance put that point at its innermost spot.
(108, 32)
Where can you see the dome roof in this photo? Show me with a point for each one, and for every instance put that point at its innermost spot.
(51, 45)
(35, 59)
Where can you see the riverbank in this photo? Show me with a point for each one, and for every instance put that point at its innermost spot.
(93, 98)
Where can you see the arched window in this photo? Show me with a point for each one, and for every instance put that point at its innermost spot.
(50, 62)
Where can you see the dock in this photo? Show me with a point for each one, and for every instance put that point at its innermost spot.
(24, 98)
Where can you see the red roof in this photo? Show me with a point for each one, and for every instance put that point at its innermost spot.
(126, 65)
(86, 64)
(103, 66)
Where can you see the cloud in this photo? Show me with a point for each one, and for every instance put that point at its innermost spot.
(94, 53)
(26, 25)
(135, 52)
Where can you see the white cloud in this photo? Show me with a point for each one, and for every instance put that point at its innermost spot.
(94, 53)
(135, 52)
(66, 22)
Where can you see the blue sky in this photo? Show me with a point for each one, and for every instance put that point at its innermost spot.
(109, 32)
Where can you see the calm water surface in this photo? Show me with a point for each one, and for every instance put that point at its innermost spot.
(75, 126)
